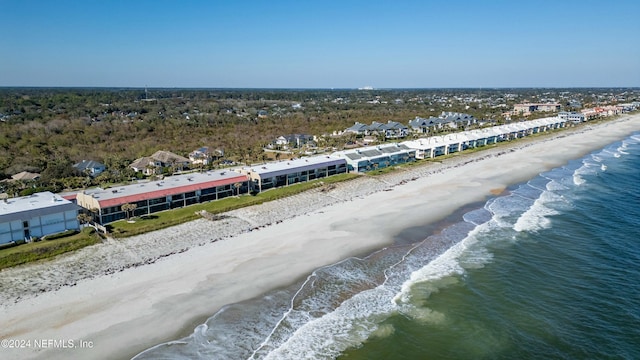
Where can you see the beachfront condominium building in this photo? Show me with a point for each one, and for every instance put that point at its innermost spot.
(525, 109)
(574, 117)
(168, 193)
(36, 215)
(431, 147)
(376, 157)
(287, 172)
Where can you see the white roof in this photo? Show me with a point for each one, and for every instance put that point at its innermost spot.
(41, 203)
(455, 138)
(296, 165)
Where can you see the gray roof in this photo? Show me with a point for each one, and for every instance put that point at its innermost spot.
(141, 163)
(357, 127)
(295, 137)
(88, 164)
(371, 153)
(456, 117)
(168, 157)
(419, 122)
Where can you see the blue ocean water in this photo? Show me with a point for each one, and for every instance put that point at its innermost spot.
(549, 270)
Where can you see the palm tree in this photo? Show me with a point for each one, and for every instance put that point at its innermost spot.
(127, 208)
(237, 185)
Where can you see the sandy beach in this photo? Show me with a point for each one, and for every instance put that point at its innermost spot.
(116, 299)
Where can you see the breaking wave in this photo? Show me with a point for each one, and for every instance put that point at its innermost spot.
(342, 305)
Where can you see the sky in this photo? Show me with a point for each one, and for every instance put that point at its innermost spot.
(320, 44)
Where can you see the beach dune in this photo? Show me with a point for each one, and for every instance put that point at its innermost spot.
(127, 295)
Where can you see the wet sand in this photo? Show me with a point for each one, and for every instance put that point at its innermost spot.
(127, 295)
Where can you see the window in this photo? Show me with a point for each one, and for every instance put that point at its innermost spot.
(157, 201)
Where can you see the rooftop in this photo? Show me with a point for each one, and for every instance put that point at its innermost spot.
(42, 200)
(285, 167)
(373, 151)
(25, 175)
(168, 185)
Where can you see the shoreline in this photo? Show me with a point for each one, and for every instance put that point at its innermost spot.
(135, 307)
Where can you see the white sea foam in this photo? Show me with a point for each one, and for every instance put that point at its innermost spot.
(536, 217)
(556, 186)
(384, 331)
(423, 315)
(585, 169)
(354, 321)
(445, 265)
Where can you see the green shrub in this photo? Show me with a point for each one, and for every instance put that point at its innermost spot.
(60, 235)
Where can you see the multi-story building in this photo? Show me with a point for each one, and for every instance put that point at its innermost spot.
(168, 193)
(287, 172)
(376, 157)
(36, 215)
(528, 108)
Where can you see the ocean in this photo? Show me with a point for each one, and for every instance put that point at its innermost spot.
(549, 269)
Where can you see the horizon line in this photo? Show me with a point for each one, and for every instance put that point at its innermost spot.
(317, 88)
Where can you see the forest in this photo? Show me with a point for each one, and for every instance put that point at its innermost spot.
(46, 130)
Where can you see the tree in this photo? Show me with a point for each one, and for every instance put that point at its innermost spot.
(58, 169)
(129, 208)
(84, 218)
(237, 186)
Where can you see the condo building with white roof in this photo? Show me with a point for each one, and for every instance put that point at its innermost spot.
(270, 175)
(36, 215)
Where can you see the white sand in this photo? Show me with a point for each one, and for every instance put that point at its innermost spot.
(128, 295)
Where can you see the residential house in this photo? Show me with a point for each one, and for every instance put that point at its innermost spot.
(90, 167)
(160, 159)
(25, 176)
(423, 126)
(292, 141)
(456, 120)
(390, 129)
(205, 155)
(358, 128)
(145, 165)
(36, 215)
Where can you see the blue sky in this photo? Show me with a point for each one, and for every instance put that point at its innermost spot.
(320, 44)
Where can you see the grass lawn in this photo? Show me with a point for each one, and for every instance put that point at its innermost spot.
(172, 217)
(46, 249)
